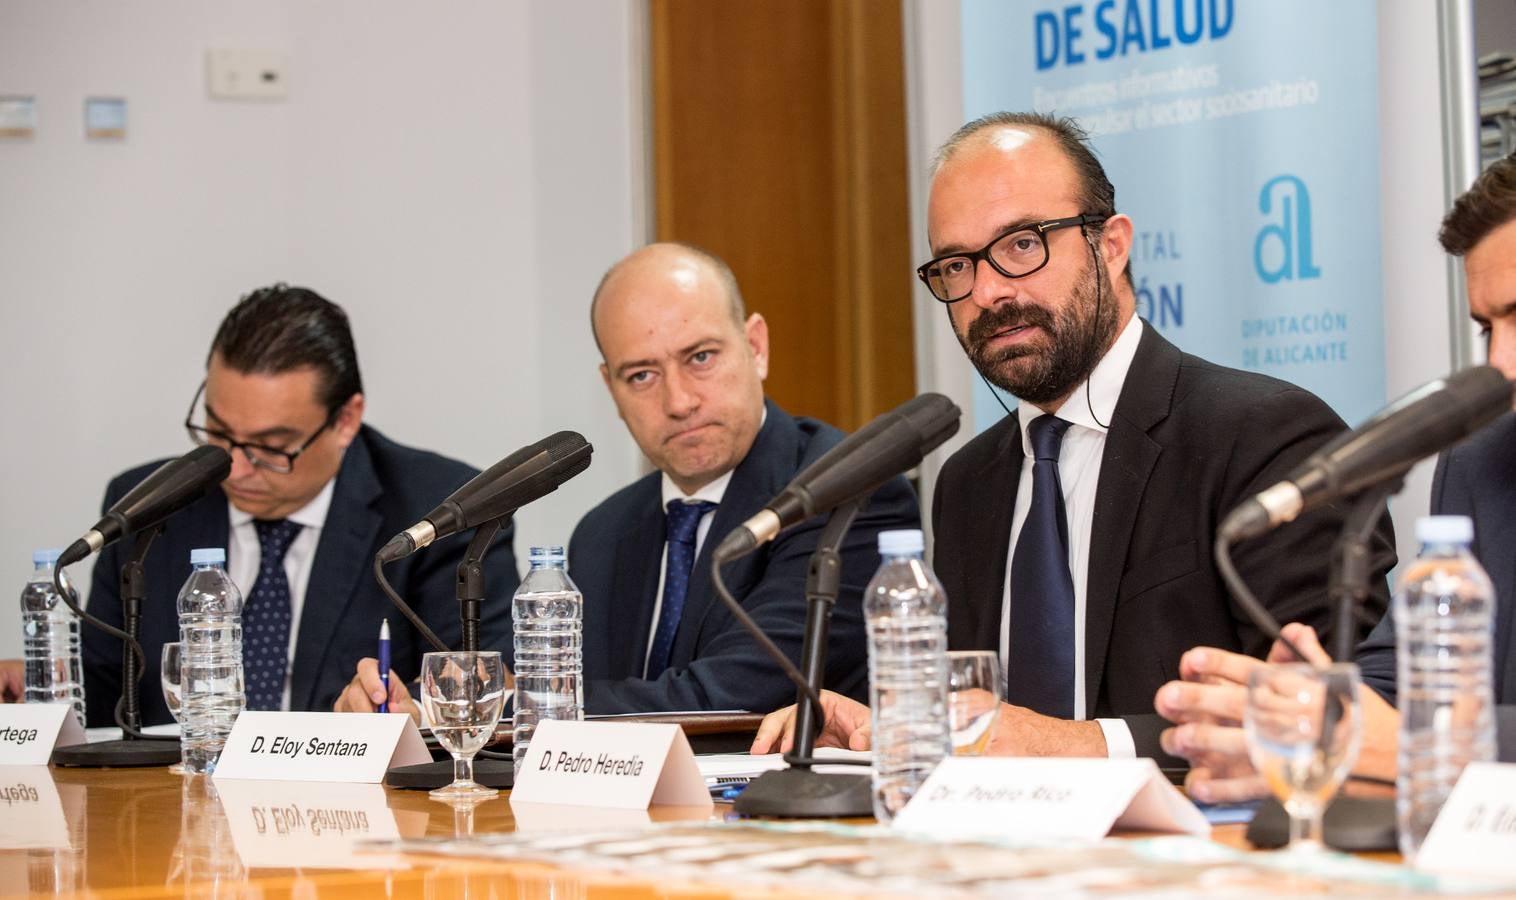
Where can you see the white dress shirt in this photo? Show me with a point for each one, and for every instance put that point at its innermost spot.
(712, 492)
(244, 553)
(1079, 472)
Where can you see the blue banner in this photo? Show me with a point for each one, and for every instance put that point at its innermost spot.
(1243, 139)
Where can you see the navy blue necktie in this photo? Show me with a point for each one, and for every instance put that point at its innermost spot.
(1040, 663)
(266, 617)
(683, 522)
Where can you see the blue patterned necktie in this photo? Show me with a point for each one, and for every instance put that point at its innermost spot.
(683, 523)
(1040, 663)
(266, 617)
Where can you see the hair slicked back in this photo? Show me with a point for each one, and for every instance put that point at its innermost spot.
(279, 329)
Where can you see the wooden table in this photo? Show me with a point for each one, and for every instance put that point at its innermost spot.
(148, 833)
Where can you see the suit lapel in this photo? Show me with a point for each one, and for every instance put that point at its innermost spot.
(634, 581)
(343, 556)
(1494, 511)
(1125, 466)
(763, 472)
(993, 506)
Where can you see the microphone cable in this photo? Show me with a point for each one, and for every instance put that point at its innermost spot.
(71, 599)
(790, 669)
(405, 608)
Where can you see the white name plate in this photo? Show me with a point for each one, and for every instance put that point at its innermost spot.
(30, 731)
(621, 765)
(283, 825)
(308, 746)
(1047, 799)
(1476, 831)
(31, 812)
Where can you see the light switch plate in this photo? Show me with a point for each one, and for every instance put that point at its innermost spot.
(247, 74)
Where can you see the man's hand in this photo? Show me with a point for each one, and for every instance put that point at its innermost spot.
(366, 691)
(846, 726)
(12, 680)
(1021, 732)
(1207, 709)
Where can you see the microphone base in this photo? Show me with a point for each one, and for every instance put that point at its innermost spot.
(804, 794)
(495, 773)
(124, 754)
(1352, 824)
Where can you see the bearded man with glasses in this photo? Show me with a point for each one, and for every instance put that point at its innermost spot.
(1074, 537)
(313, 493)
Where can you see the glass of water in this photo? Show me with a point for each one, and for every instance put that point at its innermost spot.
(171, 675)
(462, 694)
(1304, 727)
(974, 694)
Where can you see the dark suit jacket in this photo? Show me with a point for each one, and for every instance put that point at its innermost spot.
(1189, 440)
(382, 488)
(614, 557)
(1477, 479)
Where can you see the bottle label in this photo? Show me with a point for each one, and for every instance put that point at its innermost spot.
(308, 746)
(30, 731)
(618, 765)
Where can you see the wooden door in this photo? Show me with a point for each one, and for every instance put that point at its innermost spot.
(780, 145)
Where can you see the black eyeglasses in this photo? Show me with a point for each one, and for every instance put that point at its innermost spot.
(271, 458)
(1015, 254)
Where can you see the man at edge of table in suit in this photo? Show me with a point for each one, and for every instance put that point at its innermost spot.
(1476, 479)
(312, 495)
(685, 365)
(1074, 536)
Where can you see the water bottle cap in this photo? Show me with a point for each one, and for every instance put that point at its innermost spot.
(901, 543)
(1445, 530)
(207, 556)
(45, 557)
(547, 554)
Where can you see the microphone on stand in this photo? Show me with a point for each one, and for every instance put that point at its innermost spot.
(141, 514)
(482, 504)
(838, 483)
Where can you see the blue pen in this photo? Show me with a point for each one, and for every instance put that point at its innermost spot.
(384, 663)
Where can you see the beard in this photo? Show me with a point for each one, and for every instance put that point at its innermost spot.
(1077, 336)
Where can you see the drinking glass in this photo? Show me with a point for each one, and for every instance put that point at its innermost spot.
(462, 695)
(172, 678)
(973, 699)
(1304, 727)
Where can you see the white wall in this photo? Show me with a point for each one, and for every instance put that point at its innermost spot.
(455, 175)
(1412, 201)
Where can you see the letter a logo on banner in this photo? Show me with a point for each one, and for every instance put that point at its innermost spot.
(1291, 233)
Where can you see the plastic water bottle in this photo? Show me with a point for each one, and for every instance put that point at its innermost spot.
(50, 640)
(906, 612)
(548, 616)
(1444, 610)
(210, 628)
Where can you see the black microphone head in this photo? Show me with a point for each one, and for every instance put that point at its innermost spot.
(888, 446)
(570, 453)
(513, 482)
(1425, 421)
(171, 487)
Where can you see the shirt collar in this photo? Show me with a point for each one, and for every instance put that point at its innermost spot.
(1104, 389)
(712, 492)
(311, 515)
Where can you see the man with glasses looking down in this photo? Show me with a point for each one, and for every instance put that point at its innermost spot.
(1074, 536)
(312, 495)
